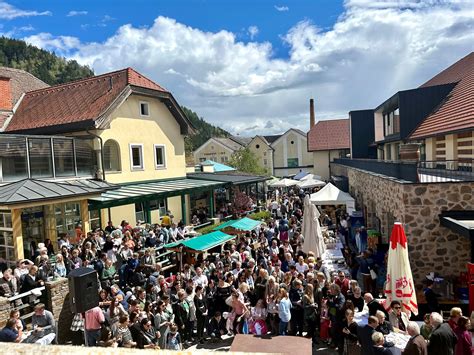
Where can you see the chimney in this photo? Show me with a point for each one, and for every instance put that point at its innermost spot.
(311, 113)
(6, 102)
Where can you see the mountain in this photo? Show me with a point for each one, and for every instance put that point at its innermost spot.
(45, 65)
(53, 70)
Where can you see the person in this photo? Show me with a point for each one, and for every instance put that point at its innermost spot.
(94, 318)
(284, 307)
(310, 308)
(373, 305)
(365, 335)
(44, 326)
(162, 322)
(431, 297)
(259, 314)
(182, 310)
(201, 312)
(384, 327)
(378, 348)
(426, 328)
(454, 316)
(123, 334)
(31, 280)
(147, 337)
(443, 339)
(216, 326)
(351, 347)
(325, 322)
(464, 344)
(239, 309)
(173, 339)
(397, 318)
(297, 310)
(336, 303)
(417, 344)
(343, 282)
(10, 333)
(357, 299)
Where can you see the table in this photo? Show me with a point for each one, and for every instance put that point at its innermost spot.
(331, 257)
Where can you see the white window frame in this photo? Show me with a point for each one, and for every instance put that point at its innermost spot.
(140, 108)
(161, 166)
(137, 168)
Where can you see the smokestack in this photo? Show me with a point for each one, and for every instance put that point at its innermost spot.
(6, 102)
(311, 113)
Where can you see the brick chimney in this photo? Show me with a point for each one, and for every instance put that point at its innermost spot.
(311, 113)
(6, 102)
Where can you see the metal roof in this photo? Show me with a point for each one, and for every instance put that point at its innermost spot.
(32, 190)
(233, 177)
(153, 190)
(203, 242)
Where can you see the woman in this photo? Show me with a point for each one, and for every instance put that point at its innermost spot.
(284, 307)
(357, 299)
(20, 324)
(454, 316)
(350, 334)
(108, 274)
(309, 311)
(258, 325)
(60, 268)
(261, 284)
(240, 310)
(464, 344)
(116, 310)
(106, 339)
(223, 291)
(147, 336)
(104, 301)
(163, 319)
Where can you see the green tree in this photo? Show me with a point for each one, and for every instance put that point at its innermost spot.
(246, 161)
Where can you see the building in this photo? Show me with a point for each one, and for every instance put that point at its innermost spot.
(121, 145)
(219, 149)
(261, 146)
(290, 154)
(430, 191)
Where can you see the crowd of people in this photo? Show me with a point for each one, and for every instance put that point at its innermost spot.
(261, 282)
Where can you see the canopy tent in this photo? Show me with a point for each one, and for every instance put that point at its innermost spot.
(244, 224)
(400, 285)
(203, 242)
(311, 176)
(300, 175)
(218, 167)
(331, 195)
(284, 183)
(313, 241)
(310, 183)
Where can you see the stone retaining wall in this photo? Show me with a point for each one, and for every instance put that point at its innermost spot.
(432, 247)
(56, 292)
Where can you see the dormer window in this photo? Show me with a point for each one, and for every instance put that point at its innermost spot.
(144, 109)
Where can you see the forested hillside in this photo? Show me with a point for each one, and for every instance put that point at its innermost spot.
(52, 69)
(43, 64)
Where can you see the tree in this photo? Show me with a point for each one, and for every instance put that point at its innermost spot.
(246, 161)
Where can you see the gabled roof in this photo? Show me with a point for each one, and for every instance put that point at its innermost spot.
(21, 82)
(229, 143)
(272, 138)
(329, 135)
(456, 112)
(87, 103)
(295, 130)
(241, 140)
(31, 190)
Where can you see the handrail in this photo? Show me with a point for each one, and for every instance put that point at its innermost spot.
(24, 294)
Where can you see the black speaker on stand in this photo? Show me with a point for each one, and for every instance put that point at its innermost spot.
(83, 289)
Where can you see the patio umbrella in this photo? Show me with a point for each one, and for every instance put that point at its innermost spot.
(284, 183)
(306, 227)
(400, 285)
(314, 240)
(310, 183)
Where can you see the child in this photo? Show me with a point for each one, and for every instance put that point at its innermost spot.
(426, 328)
(173, 339)
(216, 327)
(325, 322)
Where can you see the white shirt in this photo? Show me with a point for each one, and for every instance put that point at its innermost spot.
(301, 268)
(200, 280)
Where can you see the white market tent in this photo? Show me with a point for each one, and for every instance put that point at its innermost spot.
(311, 176)
(310, 183)
(331, 195)
(284, 183)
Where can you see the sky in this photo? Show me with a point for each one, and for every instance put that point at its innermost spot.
(251, 66)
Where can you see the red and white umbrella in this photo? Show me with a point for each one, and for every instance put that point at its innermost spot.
(400, 285)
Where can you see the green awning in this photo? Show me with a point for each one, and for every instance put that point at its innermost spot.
(203, 242)
(244, 224)
(154, 190)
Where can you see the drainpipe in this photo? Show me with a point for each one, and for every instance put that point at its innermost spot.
(101, 152)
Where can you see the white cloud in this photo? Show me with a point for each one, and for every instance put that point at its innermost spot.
(282, 8)
(253, 31)
(76, 13)
(10, 12)
(371, 52)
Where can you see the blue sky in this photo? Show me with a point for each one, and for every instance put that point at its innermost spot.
(252, 66)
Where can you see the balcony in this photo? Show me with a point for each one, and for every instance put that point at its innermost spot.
(46, 157)
(415, 172)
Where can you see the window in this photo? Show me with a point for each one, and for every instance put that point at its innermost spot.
(160, 156)
(139, 212)
(94, 219)
(136, 156)
(264, 161)
(144, 108)
(293, 162)
(86, 159)
(13, 164)
(7, 250)
(63, 157)
(112, 156)
(257, 146)
(68, 215)
(41, 163)
(159, 205)
(222, 160)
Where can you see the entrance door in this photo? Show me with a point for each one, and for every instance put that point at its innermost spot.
(32, 221)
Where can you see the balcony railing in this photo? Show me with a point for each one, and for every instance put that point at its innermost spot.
(416, 172)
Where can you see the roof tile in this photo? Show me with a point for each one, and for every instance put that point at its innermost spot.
(330, 134)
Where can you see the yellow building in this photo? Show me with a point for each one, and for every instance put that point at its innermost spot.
(218, 149)
(127, 130)
(261, 147)
(290, 153)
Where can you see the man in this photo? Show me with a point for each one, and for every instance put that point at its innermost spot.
(110, 227)
(166, 220)
(373, 305)
(297, 310)
(443, 339)
(216, 327)
(343, 283)
(8, 284)
(200, 279)
(10, 334)
(93, 324)
(44, 326)
(417, 344)
(365, 335)
(31, 280)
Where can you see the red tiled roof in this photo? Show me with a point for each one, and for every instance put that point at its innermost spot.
(327, 135)
(456, 112)
(77, 101)
(21, 82)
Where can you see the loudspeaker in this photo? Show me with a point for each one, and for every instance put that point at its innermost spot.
(83, 289)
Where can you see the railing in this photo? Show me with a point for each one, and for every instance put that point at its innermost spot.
(28, 300)
(446, 170)
(396, 169)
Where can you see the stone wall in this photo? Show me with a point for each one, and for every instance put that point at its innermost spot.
(56, 292)
(432, 247)
(4, 311)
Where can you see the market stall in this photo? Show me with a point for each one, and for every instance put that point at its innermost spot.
(331, 195)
